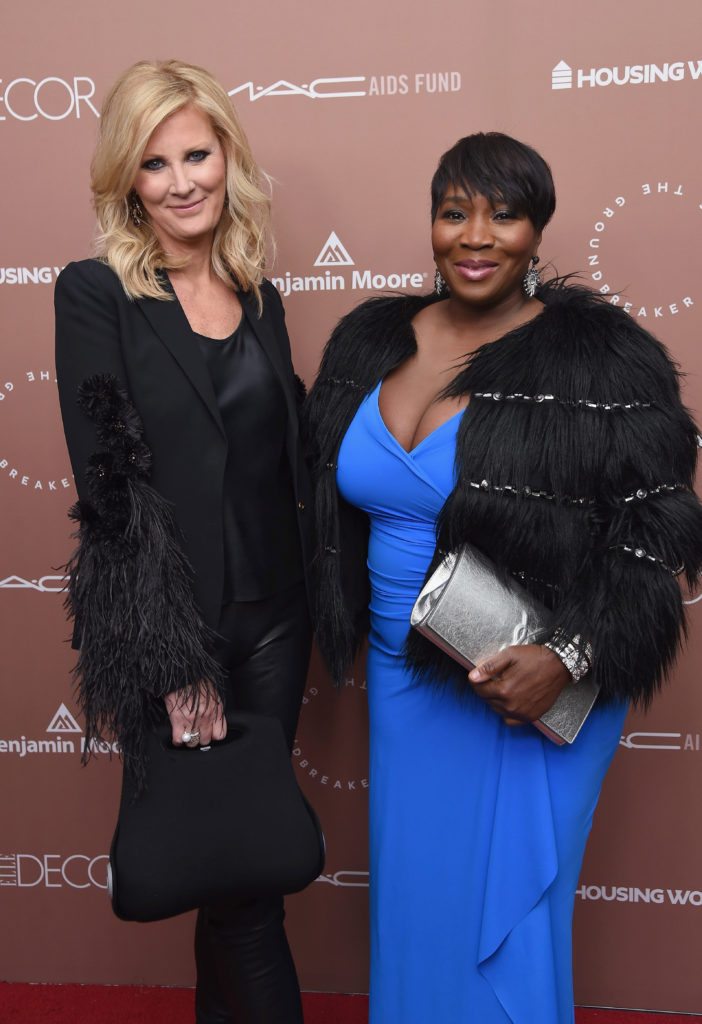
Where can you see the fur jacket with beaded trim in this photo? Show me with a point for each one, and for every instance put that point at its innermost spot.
(575, 466)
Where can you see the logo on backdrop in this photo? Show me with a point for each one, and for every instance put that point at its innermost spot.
(66, 737)
(29, 275)
(55, 99)
(82, 871)
(335, 254)
(19, 400)
(662, 741)
(309, 763)
(355, 86)
(632, 894)
(49, 99)
(563, 76)
(632, 221)
(63, 721)
(43, 585)
(53, 871)
(346, 879)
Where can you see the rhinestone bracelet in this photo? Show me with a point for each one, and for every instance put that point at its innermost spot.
(576, 660)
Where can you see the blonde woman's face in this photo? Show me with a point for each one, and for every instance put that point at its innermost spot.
(181, 181)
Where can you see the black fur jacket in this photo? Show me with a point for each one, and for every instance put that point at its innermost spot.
(575, 462)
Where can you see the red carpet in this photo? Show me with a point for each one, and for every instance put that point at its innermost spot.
(99, 1004)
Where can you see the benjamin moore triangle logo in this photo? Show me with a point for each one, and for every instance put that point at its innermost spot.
(63, 721)
(562, 76)
(333, 254)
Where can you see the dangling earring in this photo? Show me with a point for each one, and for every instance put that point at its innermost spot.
(532, 278)
(439, 283)
(135, 210)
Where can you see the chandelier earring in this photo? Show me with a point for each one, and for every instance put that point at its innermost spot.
(136, 211)
(532, 278)
(439, 283)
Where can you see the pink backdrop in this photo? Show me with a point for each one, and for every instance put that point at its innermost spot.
(349, 108)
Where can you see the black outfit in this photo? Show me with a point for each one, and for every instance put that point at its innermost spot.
(263, 644)
(575, 466)
(261, 551)
(243, 960)
(217, 568)
(148, 345)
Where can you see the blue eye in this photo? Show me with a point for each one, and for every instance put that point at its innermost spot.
(152, 165)
(198, 155)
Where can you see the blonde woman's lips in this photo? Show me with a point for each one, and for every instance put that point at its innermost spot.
(190, 206)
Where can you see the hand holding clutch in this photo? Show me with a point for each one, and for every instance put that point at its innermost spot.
(475, 614)
(520, 683)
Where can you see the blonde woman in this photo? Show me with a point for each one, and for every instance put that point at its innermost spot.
(179, 406)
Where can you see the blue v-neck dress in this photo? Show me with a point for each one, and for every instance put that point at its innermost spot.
(477, 830)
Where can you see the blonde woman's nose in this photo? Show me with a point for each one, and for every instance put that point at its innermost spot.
(181, 184)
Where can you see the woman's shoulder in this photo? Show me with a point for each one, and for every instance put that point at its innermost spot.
(372, 337)
(594, 325)
(592, 311)
(384, 313)
(87, 275)
(269, 291)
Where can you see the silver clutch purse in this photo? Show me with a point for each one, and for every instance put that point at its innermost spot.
(471, 612)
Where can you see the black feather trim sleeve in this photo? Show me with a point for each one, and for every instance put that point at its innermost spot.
(130, 593)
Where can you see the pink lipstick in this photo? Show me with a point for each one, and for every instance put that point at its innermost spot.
(476, 270)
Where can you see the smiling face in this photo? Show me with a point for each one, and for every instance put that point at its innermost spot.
(482, 250)
(181, 181)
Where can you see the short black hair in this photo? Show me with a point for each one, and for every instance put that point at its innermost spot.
(500, 168)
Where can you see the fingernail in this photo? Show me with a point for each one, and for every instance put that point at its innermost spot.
(474, 675)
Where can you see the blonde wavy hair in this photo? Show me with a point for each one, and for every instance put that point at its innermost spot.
(139, 101)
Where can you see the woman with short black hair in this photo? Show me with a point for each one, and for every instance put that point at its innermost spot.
(545, 427)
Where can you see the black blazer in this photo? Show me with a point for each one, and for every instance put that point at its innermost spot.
(147, 344)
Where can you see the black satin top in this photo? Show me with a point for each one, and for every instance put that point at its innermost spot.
(261, 542)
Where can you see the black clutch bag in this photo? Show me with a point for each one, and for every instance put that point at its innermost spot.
(218, 823)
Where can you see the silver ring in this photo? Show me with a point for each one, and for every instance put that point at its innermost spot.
(188, 737)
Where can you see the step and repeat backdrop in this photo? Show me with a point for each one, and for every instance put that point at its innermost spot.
(348, 107)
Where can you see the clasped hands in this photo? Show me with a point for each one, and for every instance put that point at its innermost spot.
(520, 683)
(201, 715)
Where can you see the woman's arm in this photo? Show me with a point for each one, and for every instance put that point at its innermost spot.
(141, 638)
(87, 343)
(646, 536)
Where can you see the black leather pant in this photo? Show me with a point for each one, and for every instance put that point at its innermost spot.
(245, 972)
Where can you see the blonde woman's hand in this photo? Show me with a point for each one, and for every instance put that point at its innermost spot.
(203, 714)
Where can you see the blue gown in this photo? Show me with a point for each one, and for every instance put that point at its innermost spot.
(477, 831)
